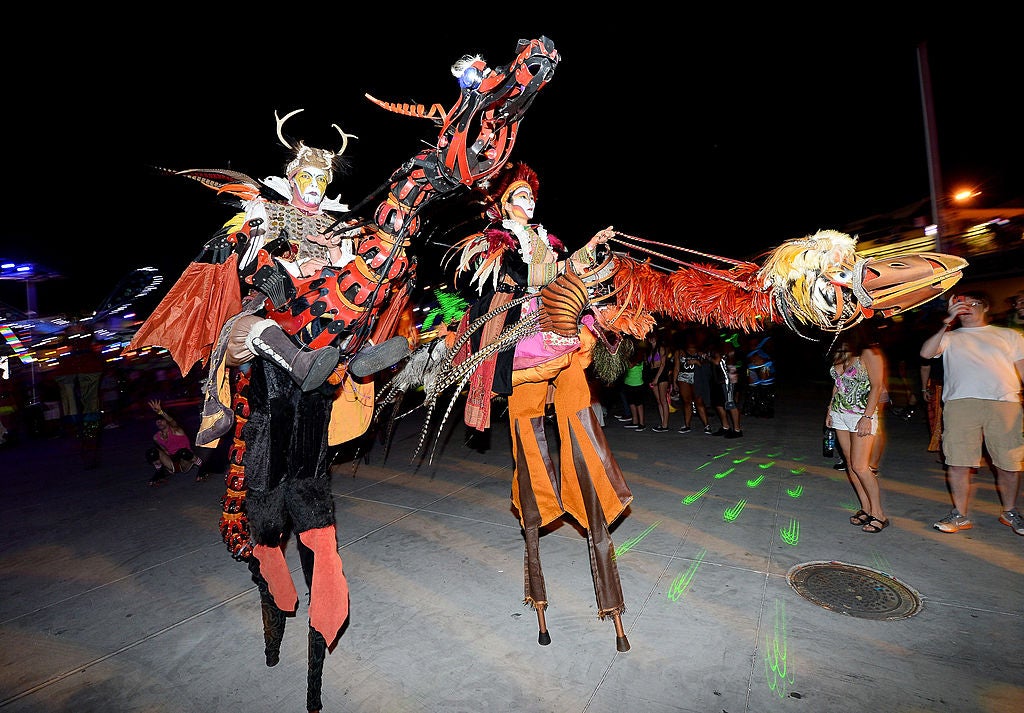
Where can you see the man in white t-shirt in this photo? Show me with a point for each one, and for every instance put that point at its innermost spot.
(983, 367)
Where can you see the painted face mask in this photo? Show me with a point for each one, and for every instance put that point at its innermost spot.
(521, 205)
(309, 186)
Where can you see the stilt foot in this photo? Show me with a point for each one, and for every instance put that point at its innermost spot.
(621, 642)
(543, 638)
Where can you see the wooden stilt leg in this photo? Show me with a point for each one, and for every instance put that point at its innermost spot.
(543, 638)
(621, 642)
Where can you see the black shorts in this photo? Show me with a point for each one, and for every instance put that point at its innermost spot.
(636, 395)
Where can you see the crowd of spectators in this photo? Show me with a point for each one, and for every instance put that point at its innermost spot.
(703, 375)
(42, 401)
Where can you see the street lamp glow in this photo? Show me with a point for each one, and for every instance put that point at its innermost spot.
(965, 195)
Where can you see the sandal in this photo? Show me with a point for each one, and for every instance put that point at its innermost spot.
(860, 518)
(875, 525)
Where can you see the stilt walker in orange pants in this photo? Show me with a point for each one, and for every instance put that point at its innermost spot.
(513, 262)
(589, 486)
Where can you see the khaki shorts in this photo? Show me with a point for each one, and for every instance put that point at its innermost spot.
(966, 423)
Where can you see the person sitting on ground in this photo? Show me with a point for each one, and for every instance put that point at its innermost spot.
(173, 451)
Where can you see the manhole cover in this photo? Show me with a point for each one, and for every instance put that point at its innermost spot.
(854, 590)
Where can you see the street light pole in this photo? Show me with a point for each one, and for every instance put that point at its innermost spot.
(931, 139)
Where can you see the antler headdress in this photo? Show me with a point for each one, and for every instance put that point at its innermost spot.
(322, 159)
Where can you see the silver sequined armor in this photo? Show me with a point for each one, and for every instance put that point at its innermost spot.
(298, 225)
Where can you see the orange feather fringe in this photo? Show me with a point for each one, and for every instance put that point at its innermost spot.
(697, 293)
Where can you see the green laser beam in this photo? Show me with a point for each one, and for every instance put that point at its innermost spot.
(741, 460)
(795, 492)
(791, 534)
(798, 471)
(682, 583)
(724, 473)
(694, 497)
(776, 654)
(766, 466)
(451, 307)
(756, 481)
(881, 563)
(634, 541)
(733, 511)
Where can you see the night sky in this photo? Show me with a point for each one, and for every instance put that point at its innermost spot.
(721, 138)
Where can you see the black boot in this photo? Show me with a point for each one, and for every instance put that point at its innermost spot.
(309, 369)
(315, 675)
(370, 360)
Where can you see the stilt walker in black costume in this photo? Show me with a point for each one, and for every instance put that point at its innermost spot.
(281, 406)
(319, 301)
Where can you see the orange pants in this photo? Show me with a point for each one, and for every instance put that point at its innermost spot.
(589, 486)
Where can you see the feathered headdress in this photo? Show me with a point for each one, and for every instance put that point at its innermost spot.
(482, 251)
(511, 177)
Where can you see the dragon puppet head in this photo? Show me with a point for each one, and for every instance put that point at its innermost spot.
(820, 280)
(493, 102)
(479, 131)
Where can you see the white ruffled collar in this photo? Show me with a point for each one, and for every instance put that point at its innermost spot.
(524, 237)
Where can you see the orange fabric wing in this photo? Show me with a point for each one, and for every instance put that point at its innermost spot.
(189, 318)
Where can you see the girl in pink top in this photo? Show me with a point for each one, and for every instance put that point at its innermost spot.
(173, 451)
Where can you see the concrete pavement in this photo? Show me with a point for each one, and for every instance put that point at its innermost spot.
(115, 596)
